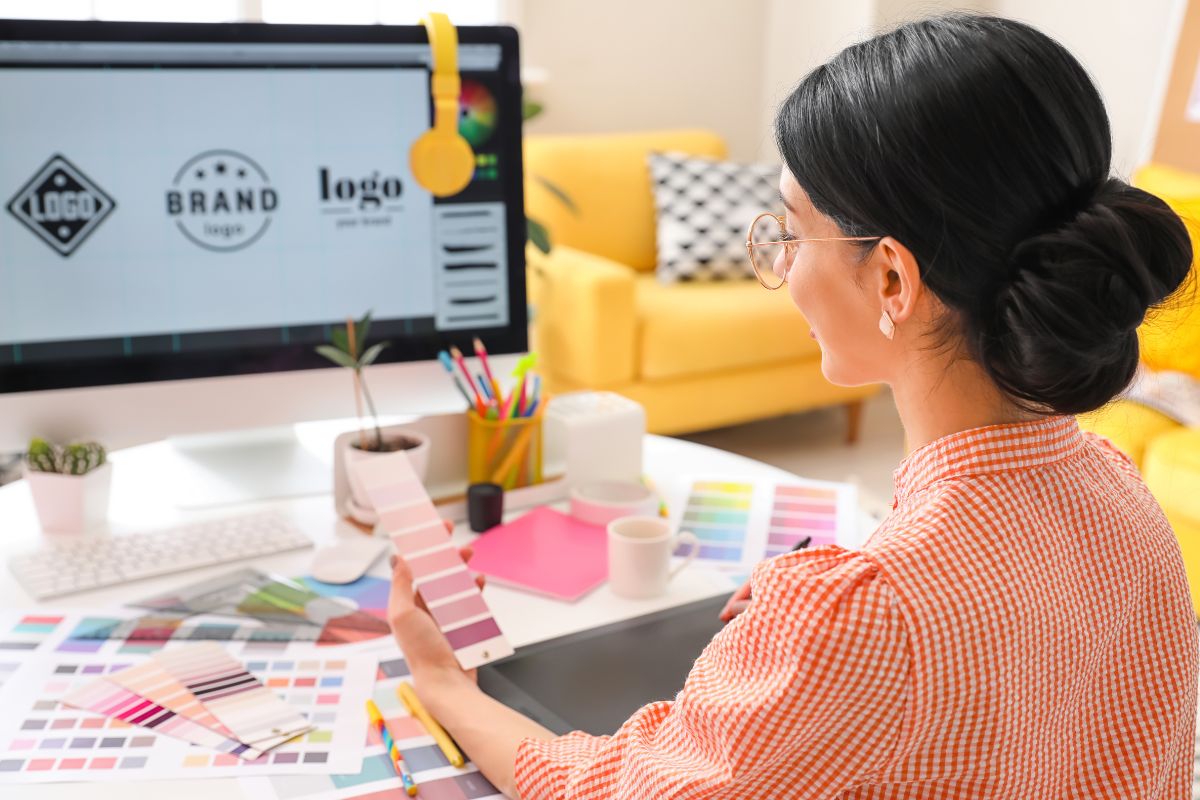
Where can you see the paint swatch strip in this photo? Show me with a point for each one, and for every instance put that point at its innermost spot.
(440, 576)
(153, 682)
(113, 700)
(253, 713)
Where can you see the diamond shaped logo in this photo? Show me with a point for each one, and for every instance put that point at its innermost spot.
(61, 205)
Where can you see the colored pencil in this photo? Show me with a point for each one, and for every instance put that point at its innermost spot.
(482, 352)
(373, 713)
(457, 355)
(407, 696)
(448, 365)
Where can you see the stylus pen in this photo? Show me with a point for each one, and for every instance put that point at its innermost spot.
(409, 698)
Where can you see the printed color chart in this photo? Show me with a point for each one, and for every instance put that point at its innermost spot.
(740, 522)
(718, 514)
(436, 778)
(440, 576)
(801, 512)
(44, 740)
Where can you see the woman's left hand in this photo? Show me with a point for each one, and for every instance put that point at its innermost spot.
(430, 658)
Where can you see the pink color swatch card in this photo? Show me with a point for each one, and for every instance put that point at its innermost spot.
(547, 552)
(441, 578)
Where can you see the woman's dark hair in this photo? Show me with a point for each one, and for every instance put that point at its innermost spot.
(983, 146)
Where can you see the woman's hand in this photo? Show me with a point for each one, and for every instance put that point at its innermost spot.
(737, 603)
(430, 658)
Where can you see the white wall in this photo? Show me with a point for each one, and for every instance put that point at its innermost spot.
(1125, 45)
(623, 65)
(638, 64)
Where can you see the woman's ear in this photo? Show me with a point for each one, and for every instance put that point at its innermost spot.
(897, 279)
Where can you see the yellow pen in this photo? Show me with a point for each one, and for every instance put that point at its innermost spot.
(409, 698)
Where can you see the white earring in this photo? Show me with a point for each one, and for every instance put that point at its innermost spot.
(886, 326)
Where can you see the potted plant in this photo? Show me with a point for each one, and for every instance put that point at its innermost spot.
(348, 348)
(69, 484)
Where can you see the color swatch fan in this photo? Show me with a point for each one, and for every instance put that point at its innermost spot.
(440, 576)
(273, 600)
(204, 696)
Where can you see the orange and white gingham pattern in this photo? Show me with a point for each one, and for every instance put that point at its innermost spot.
(1018, 627)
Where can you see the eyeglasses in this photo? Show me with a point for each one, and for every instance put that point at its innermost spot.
(771, 250)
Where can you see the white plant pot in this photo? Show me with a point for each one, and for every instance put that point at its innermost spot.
(71, 503)
(358, 504)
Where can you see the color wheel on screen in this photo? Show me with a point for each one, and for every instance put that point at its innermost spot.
(477, 113)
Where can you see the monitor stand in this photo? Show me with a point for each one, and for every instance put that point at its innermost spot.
(246, 466)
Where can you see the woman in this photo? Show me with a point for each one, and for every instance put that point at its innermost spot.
(1019, 626)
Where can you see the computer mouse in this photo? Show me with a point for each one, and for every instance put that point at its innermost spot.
(347, 559)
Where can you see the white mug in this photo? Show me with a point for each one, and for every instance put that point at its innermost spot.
(639, 555)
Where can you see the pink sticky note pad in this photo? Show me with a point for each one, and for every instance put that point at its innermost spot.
(545, 551)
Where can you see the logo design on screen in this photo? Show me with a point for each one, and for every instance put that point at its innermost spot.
(222, 200)
(61, 205)
(354, 202)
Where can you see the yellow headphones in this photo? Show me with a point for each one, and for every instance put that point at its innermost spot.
(441, 160)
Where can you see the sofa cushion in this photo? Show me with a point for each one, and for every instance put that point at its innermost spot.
(1172, 471)
(1170, 337)
(695, 328)
(704, 207)
(607, 180)
(1128, 425)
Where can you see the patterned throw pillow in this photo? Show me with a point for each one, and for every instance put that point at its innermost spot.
(704, 208)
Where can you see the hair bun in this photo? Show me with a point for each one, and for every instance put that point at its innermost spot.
(1062, 333)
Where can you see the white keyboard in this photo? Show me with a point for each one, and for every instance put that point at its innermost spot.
(90, 562)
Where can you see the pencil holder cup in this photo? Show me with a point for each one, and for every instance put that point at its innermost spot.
(507, 452)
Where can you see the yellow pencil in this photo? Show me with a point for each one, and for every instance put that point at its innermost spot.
(409, 698)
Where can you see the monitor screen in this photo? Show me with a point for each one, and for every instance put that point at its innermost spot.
(189, 201)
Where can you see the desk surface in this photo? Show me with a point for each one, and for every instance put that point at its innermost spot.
(141, 500)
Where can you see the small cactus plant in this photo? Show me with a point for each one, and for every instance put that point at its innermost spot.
(78, 458)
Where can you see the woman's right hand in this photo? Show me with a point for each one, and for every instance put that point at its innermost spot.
(737, 603)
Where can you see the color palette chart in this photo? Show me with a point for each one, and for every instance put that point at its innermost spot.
(42, 739)
(799, 513)
(739, 522)
(441, 578)
(436, 779)
(718, 514)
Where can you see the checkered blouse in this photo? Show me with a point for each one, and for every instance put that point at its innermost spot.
(1018, 627)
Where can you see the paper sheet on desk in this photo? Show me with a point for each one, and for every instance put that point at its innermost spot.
(740, 522)
(434, 775)
(43, 741)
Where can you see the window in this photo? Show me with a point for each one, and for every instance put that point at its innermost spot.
(391, 12)
(156, 10)
(344, 12)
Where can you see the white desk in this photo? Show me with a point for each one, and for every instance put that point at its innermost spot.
(140, 501)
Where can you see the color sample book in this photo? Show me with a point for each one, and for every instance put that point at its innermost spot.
(253, 713)
(44, 740)
(441, 578)
(110, 699)
(436, 778)
(740, 522)
(153, 682)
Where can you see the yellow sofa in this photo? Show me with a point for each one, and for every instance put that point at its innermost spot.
(696, 355)
(1167, 453)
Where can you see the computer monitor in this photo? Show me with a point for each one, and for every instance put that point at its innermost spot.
(189, 209)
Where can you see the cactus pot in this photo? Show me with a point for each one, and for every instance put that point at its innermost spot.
(70, 503)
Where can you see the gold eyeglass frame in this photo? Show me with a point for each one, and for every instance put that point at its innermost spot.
(781, 221)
